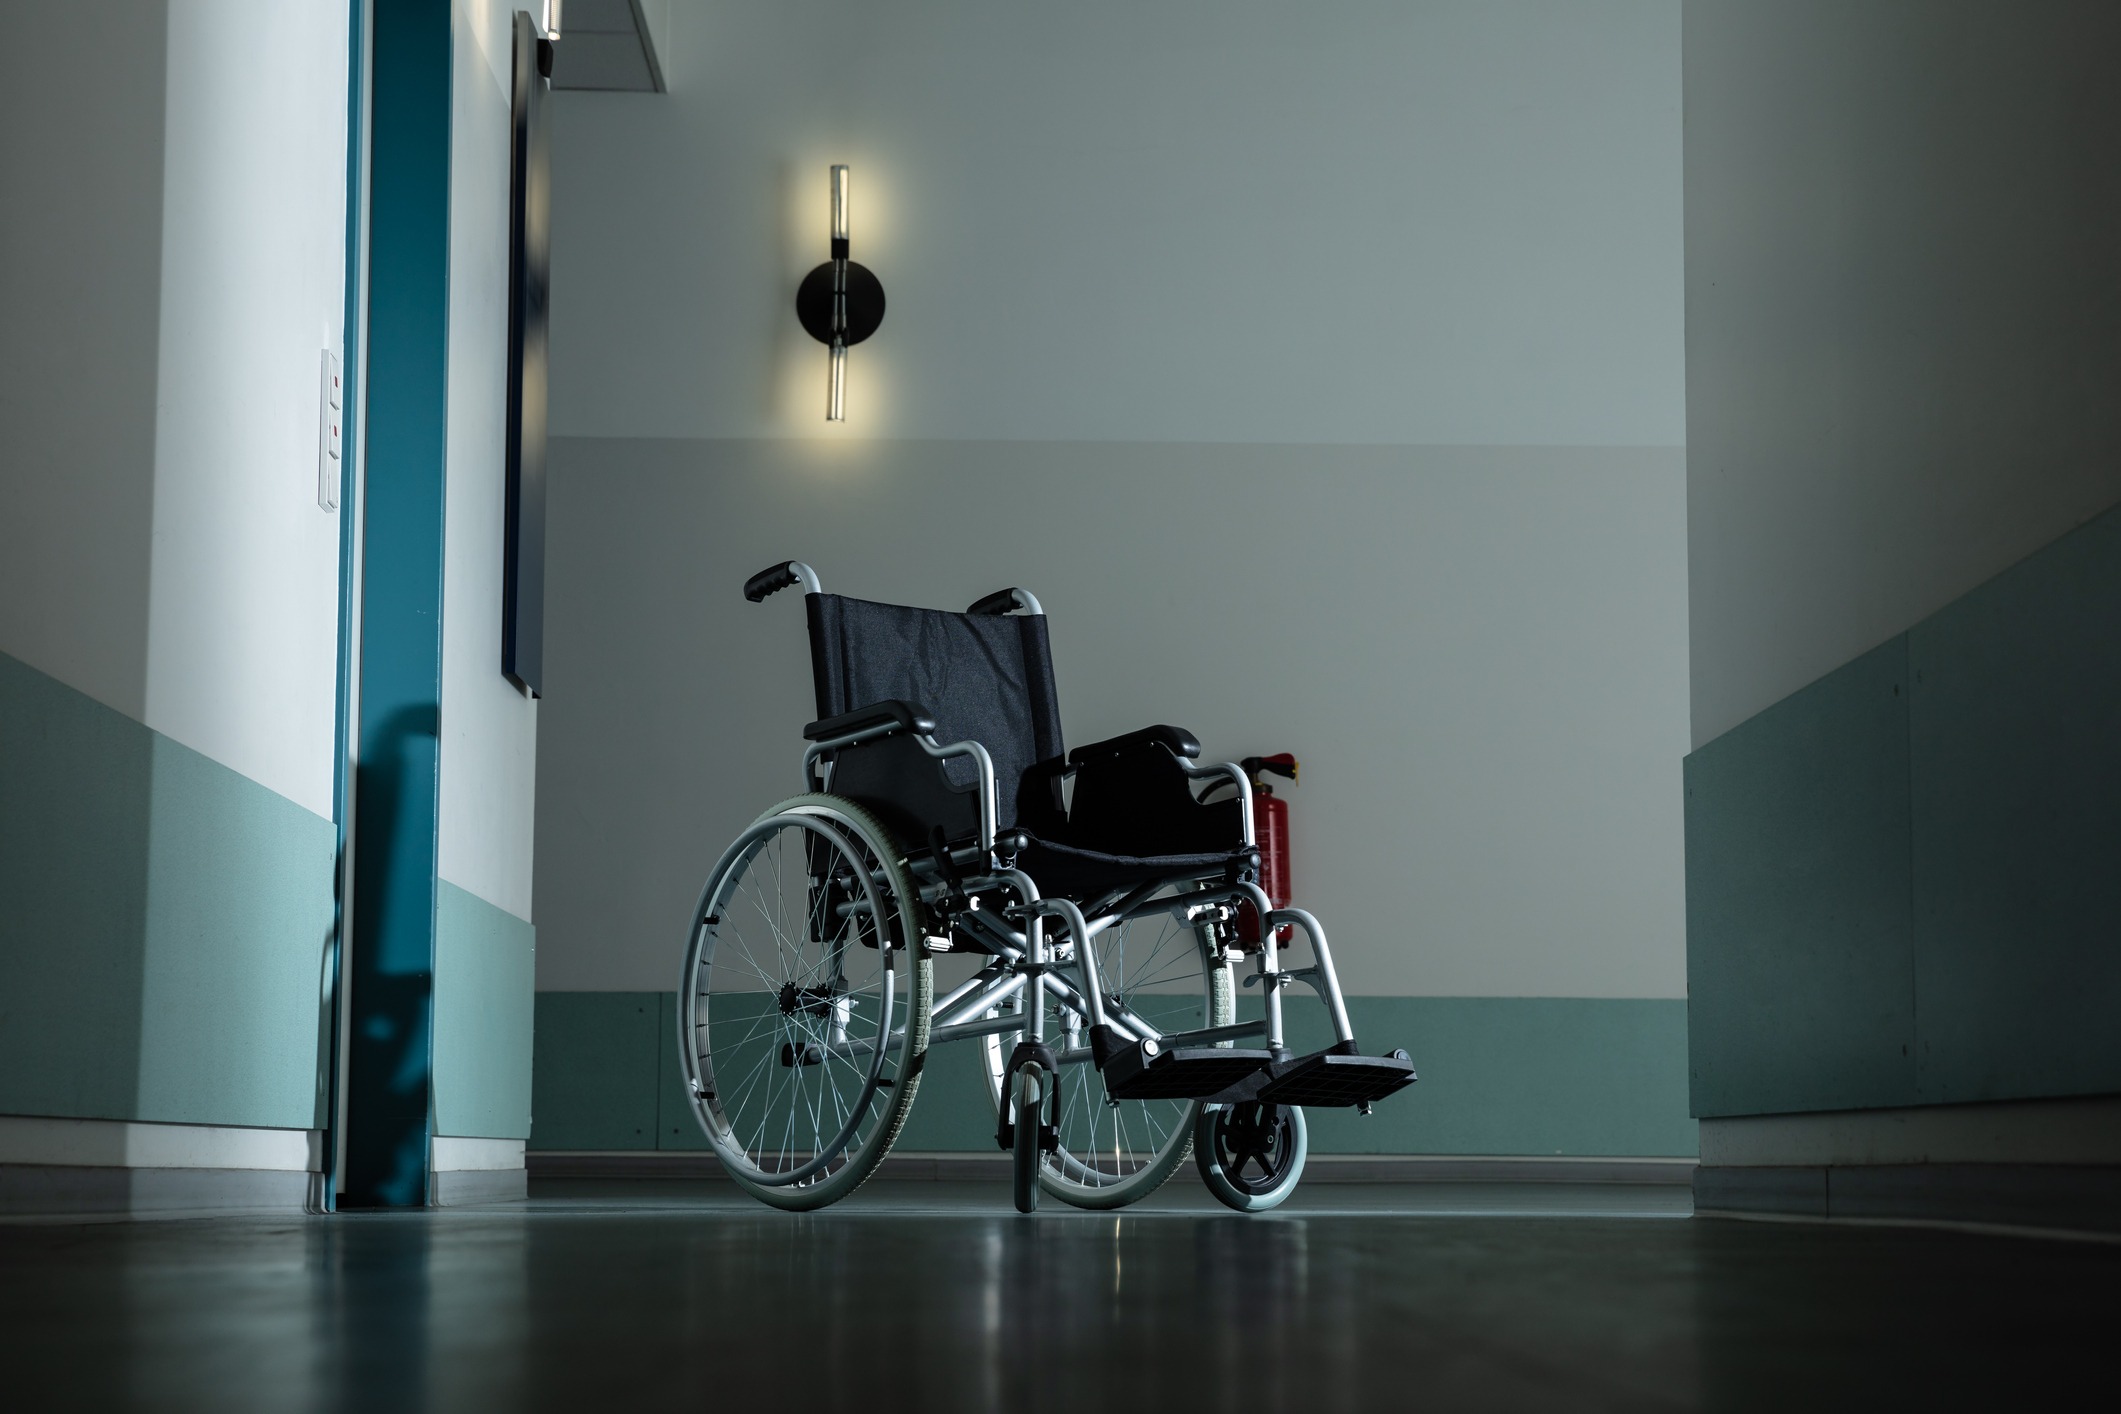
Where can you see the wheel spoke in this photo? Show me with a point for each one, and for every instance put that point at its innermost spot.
(794, 1008)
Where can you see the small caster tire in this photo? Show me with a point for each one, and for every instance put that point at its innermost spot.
(1252, 1155)
(1023, 1170)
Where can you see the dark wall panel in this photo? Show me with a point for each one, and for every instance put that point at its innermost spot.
(1800, 959)
(2015, 739)
(1904, 882)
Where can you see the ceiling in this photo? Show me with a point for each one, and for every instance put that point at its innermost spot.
(608, 45)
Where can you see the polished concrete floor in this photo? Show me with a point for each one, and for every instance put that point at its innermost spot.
(935, 1295)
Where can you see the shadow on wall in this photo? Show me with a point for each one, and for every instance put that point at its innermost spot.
(390, 1055)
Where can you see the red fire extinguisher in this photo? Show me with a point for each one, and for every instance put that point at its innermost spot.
(1270, 827)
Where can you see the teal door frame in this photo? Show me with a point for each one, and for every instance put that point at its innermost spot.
(354, 383)
(391, 601)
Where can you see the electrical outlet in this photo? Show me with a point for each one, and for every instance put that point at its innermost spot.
(328, 434)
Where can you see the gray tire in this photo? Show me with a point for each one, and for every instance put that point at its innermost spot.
(1249, 1165)
(803, 1007)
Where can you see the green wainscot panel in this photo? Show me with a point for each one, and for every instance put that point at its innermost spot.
(953, 1113)
(74, 798)
(1499, 1075)
(1595, 1077)
(594, 1069)
(675, 1126)
(1800, 952)
(485, 984)
(1598, 1077)
(166, 927)
(2015, 731)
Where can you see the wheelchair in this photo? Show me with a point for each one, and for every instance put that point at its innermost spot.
(1107, 898)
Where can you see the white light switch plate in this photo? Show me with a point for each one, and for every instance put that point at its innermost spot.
(328, 434)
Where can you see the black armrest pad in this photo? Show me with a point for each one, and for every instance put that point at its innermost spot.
(1133, 796)
(906, 716)
(1177, 740)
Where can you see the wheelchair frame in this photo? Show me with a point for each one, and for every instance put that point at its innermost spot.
(1042, 949)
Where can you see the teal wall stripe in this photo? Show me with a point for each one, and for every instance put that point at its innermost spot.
(1901, 881)
(1500, 1075)
(165, 929)
(74, 813)
(485, 975)
(391, 966)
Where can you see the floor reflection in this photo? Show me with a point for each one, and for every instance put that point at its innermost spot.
(699, 1300)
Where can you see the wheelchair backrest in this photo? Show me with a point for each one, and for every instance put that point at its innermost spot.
(984, 678)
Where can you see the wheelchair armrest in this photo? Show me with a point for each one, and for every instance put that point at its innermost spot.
(1135, 795)
(891, 713)
(1237, 777)
(1180, 742)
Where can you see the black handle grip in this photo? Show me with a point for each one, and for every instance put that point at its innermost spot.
(1001, 601)
(770, 581)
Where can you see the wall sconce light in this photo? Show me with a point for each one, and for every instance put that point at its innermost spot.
(840, 303)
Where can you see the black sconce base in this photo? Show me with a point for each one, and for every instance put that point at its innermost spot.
(865, 303)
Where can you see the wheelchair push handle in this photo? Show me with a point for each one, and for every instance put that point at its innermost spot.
(1003, 601)
(775, 578)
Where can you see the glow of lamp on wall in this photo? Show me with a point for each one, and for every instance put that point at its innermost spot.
(840, 303)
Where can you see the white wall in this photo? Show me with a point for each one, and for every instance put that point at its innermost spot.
(80, 278)
(1363, 221)
(174, 258)
(489, 727)
(1903, 318)
(1319, 368)
(1477, 654)
(243, 633)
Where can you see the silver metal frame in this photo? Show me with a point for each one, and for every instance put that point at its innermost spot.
(1024, 967)
(813, 779)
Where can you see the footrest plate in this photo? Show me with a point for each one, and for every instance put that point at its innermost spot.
(1328, 1079)
(1186, 1073)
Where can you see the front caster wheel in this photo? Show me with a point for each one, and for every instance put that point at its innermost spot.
(1251, 1155)
(1023, 1171)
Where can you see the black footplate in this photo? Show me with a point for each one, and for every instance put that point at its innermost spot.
(1147, 1071)
(1335, 1077)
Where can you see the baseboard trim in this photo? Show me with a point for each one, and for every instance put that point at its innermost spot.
(123, 1144)
(451, 1153)
(2082, 1198)
(80, 1191)
(2080, 1129)
(1325, 1168)
(459, 1188)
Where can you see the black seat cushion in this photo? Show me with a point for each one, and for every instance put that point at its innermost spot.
(1066, 871)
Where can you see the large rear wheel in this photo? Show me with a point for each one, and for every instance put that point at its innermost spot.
(803, 1009)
